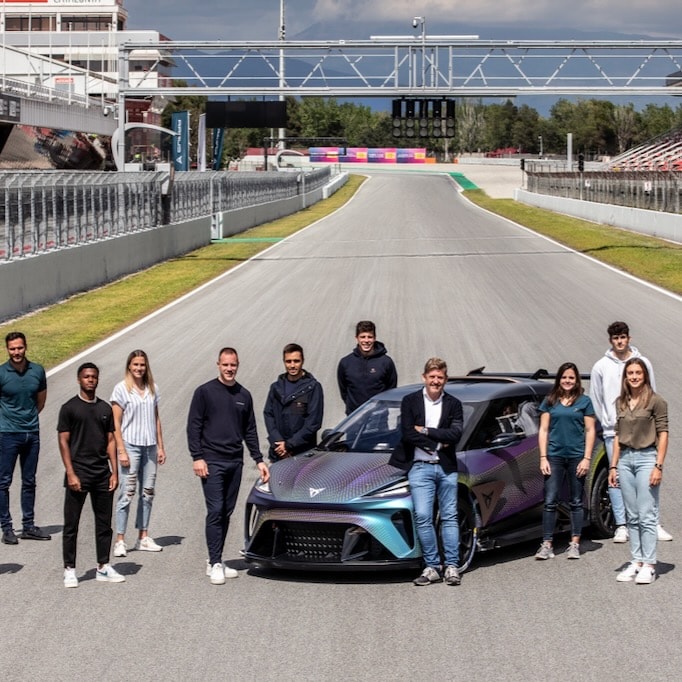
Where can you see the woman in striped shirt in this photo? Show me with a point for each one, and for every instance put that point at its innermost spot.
(139, 442)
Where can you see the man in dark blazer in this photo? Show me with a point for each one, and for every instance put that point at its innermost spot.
(431, 423)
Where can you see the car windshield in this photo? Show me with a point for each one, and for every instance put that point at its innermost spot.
(375, 427)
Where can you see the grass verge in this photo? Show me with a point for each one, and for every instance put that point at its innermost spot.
(60, 331)
(654, 260)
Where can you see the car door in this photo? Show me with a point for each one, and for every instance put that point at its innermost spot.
(500, 461)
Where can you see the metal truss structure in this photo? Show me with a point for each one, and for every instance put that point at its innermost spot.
(425, 66)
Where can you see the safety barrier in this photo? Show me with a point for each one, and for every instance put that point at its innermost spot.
(41, 211)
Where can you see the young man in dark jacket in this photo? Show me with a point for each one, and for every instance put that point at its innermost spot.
(366, 371)
(294, 407)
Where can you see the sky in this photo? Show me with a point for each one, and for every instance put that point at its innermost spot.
(259, 19)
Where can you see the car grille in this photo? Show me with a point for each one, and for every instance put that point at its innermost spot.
(311, 542)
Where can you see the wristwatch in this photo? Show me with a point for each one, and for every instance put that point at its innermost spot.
(659, 466)
(424, 431)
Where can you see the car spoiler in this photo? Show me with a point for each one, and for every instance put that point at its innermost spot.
(535, 376)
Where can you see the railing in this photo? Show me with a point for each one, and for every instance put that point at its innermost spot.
(650, 190)
(45, 210)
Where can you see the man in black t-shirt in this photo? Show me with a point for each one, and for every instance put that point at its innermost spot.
(88, 450)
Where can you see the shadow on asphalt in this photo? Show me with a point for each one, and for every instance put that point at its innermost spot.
(169, 540)
(10, 568)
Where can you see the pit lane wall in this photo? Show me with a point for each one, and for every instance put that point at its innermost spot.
(653, 223)
(35, 281)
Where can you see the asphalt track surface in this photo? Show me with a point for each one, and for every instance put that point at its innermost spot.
(439, 277)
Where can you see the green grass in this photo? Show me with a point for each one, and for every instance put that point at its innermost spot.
(654, 260)
(62, 330)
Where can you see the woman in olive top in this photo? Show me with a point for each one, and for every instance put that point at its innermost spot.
(639, 449)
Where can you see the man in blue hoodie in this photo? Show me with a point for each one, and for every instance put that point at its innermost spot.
(366, 371)
(294, 407)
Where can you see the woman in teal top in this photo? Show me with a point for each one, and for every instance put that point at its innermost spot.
(566, 440)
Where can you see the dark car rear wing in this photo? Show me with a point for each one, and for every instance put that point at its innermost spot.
(537, 375)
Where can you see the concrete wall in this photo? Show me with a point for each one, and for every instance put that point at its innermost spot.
(32, 282)
(653, 223)
(36, 281)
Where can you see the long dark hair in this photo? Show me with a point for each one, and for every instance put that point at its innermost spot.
(626, 393)
(557, 393)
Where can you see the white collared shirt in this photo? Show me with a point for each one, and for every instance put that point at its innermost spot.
(432, 413)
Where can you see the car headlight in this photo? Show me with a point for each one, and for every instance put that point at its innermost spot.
(399, 489)
(263, 487)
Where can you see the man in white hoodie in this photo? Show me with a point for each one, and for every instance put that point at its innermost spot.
(605, 386)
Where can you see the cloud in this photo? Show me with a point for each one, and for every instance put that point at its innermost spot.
(259, 19)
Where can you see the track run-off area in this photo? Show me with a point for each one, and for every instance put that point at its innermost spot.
(438, 276)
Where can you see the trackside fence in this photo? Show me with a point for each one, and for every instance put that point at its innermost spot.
(42, 211)
(648, 190)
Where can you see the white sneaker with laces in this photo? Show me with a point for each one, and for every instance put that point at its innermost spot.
(217, 574)
(662, 534)
(229, 572)
(70, 579)
(120, 548)
(147, 544)
(646, 575)
(627, 575)
(109, 574)
(621, 534)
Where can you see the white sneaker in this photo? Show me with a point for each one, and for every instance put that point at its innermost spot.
(662, 533)
(109, 574)
(70, 579)
(627, 575)
(229, 572)
(646, 575)
(147, 544)
(120, 548)
(217, 574)
(621, 534)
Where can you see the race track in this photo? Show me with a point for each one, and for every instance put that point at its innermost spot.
(439, 277)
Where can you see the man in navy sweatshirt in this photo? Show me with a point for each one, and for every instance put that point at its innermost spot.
(220, 420)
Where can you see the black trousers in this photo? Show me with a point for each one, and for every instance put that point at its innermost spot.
(101, 500)
(221, 489)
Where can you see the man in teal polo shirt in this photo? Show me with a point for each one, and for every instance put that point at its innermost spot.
(23, 389)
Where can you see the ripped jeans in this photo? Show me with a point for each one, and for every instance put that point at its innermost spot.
(139, 478)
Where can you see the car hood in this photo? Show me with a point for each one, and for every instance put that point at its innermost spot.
(331, 477)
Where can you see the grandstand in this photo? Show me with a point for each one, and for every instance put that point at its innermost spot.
(662, 153)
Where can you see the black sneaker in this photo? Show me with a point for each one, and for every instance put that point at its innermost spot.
(34, 534)
(9, 538)
(429, 575)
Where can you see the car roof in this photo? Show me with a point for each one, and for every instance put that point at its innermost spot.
(480, 387)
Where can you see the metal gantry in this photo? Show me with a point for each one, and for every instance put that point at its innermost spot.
(414, 66)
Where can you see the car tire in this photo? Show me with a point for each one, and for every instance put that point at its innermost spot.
(250, 520)
(468, 533)
(601, 516)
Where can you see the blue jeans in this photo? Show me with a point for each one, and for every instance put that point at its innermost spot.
(139, 475)
(426, 482)
(563, 467)
(615, 494)
(641, 501)
(26, 447)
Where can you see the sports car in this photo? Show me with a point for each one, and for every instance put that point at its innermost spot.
(341, 506)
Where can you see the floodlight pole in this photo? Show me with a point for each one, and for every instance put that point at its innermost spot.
(282, 37)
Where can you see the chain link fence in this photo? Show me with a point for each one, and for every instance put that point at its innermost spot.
(654, 191)
(45, 210)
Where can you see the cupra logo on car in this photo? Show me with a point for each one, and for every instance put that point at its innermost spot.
(314, 492)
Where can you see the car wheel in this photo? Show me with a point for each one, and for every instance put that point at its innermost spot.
(468, 533)
(601, 515)
(250, 520)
